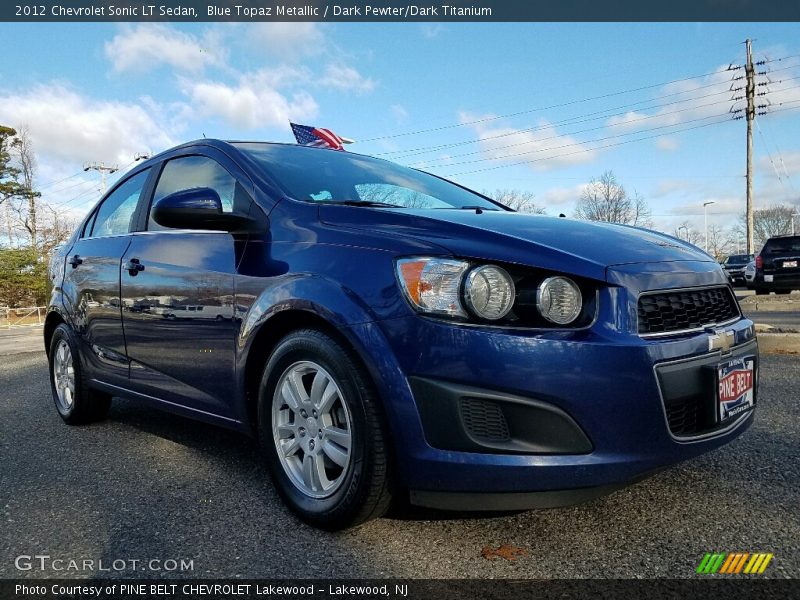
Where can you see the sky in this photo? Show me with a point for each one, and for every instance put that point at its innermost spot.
(537, 107)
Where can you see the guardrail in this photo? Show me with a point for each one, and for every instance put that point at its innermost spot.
(29, 316)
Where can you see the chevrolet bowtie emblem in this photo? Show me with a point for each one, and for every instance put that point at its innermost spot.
(721, 340)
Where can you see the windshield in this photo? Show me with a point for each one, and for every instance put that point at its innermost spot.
(739, 259)
(318, 175)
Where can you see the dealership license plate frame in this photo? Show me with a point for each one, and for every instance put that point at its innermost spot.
(745, 400)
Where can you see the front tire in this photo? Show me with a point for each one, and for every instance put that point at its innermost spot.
(322, 432)
(75, 401)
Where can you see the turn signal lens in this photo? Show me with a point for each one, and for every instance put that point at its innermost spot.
(489, 292)
(559, 300)
(432, 285)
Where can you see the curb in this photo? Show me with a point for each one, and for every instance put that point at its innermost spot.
(778, 343)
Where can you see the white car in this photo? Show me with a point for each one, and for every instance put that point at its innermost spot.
(750, 274)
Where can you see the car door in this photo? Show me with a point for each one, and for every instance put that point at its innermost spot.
(92, 280)
(178, 296)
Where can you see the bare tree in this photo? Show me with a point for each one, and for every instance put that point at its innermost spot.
(685, 232)
(605, 199)
(768, 222)
(721, 242)
(26, 160)
(522, 201)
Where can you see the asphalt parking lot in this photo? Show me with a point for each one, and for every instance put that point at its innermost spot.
(144, 485)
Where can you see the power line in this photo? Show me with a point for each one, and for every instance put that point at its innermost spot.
(572, 144)
(566, 133)
(541, 108)
(559, 105)
(525, 162)
(571, 120)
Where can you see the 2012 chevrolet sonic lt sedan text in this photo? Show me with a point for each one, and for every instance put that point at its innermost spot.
(386, 333)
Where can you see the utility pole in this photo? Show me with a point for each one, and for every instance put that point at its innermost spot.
(103, 169)
(750, 89)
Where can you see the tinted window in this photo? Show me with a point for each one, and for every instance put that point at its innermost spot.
(782, 245)
(200, 171)
(317, 175)
(115, 213)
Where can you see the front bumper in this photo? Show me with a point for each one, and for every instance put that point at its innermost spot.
(604, 380)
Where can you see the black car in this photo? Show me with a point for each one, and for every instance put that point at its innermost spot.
(778, 266)
(734, 267)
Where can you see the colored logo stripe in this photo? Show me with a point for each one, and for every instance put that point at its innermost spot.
(731, 563)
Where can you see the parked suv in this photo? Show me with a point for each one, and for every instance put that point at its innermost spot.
(734, 267)
(778, 266)
(387, 334)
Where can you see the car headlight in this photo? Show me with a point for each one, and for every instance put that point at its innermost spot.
(433, 285)
(559, 300)
(489, 292)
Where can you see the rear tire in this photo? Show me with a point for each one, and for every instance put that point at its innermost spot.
(323, 433)
(761, 292)
(783, 292)
(75, 401)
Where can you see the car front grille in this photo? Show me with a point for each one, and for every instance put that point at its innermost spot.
(682, 310)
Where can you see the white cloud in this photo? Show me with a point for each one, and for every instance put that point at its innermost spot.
(667, 144)
(72, 128)
(399, 112)
(703, 100)
(345, 78)
(288, 41)
(252, 103)
(432, 30)
(148, 46)
(561, 195)
(542, 148)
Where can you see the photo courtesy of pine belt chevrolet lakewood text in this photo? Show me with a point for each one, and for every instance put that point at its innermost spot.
(392, 337)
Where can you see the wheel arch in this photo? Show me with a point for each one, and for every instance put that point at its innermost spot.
(267, 337)
(51, 322)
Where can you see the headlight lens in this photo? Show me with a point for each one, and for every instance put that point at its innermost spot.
(559, 300)
(489, 292)
(432, 285)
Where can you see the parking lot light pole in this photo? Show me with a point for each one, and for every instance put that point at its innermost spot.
(705, 220)
(793, 216)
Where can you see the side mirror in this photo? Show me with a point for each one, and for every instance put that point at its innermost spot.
(198, 208)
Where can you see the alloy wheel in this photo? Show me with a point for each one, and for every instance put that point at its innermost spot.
(64, 376)
(312, 429)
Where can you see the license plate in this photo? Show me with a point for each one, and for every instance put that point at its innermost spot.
(768, 278)
(736, 387)
(789, 264)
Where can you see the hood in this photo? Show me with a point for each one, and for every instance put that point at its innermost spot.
(578, 247)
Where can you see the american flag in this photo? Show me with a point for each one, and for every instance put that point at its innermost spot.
(317, 136)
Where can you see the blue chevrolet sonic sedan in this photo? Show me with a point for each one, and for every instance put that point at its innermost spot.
(390, 335)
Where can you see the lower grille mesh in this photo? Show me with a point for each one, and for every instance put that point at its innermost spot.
(484, 419)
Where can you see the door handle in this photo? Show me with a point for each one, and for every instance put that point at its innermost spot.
(133, 266)
(75, 261)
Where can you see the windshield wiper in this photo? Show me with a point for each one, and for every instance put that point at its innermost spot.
(363, 203)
